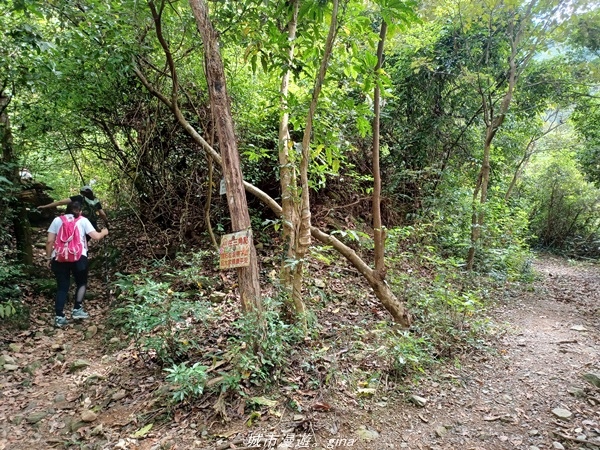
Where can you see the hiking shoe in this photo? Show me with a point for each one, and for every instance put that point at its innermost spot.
(80, 314)
(60, 321)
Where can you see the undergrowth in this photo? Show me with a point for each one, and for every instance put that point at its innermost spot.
(13, 312)
(206, 348)
(170, 329)
(164, 324)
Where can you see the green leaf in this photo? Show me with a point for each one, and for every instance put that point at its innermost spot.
(318, 151)
(143, 431)
(264, 401)
(335, 166)
(370, 60)
(363, 126)
(264, 61)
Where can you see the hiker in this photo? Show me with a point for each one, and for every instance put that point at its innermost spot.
(66, 250)
(91, 206)
(25, 175)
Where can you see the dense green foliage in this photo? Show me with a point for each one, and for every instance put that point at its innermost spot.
(159, 319)
(564, 207)
(80, 102)
(10, 271)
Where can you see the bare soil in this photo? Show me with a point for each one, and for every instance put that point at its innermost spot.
(508, 397)
(506, 400)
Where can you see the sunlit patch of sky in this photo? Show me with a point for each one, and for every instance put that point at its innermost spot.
(571, 7)
(566, 10)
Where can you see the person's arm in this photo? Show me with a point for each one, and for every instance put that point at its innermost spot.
(50, 246)
(103, 216)
(91, 231)
(64, 201)
(98, 235)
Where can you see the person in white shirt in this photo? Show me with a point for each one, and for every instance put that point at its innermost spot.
(79, 269)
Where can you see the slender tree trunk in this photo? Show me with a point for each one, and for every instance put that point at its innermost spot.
(209, 189)
(236, 196)
(378, 231)
(376, 278)
(20, 220)
(303, 240)
(518, 171)
(479, 200)
(288, 180)
(516, 27)
(493, 125)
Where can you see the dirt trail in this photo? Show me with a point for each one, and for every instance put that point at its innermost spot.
(497, 401)
(507, 401)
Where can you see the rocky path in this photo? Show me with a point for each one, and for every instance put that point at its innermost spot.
(69, 389)
(533, 394)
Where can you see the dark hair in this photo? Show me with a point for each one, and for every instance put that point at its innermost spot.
(74, 208)
(87, 193)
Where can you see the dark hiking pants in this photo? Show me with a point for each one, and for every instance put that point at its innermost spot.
(62, 273)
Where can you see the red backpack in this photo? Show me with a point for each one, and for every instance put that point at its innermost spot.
(67, 244)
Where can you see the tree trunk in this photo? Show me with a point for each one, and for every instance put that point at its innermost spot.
(20, 221)
(248, 277)
(477, 217)
(378, 232)
(303, 240)
(493, 125)
(208, 202)
(288, 180)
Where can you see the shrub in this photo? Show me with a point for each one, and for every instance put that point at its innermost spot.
(503, 251)
(259, 360)
(159, 319)
(406, 352)
(188, 382)
(11, 273)
(565, 208)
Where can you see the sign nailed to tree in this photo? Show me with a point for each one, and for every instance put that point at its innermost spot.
(235, 250)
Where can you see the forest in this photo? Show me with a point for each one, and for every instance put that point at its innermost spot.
(395, 170)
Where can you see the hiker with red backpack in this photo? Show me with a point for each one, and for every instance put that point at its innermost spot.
(66, 250)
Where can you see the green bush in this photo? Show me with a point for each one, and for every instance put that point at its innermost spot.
(407, 353)
(259, 356)
(159, 319)
(447, 309)
(10, 293)
(564, 207)
(11, 272)
(442, 235)
(503, 250)
(188, 382)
